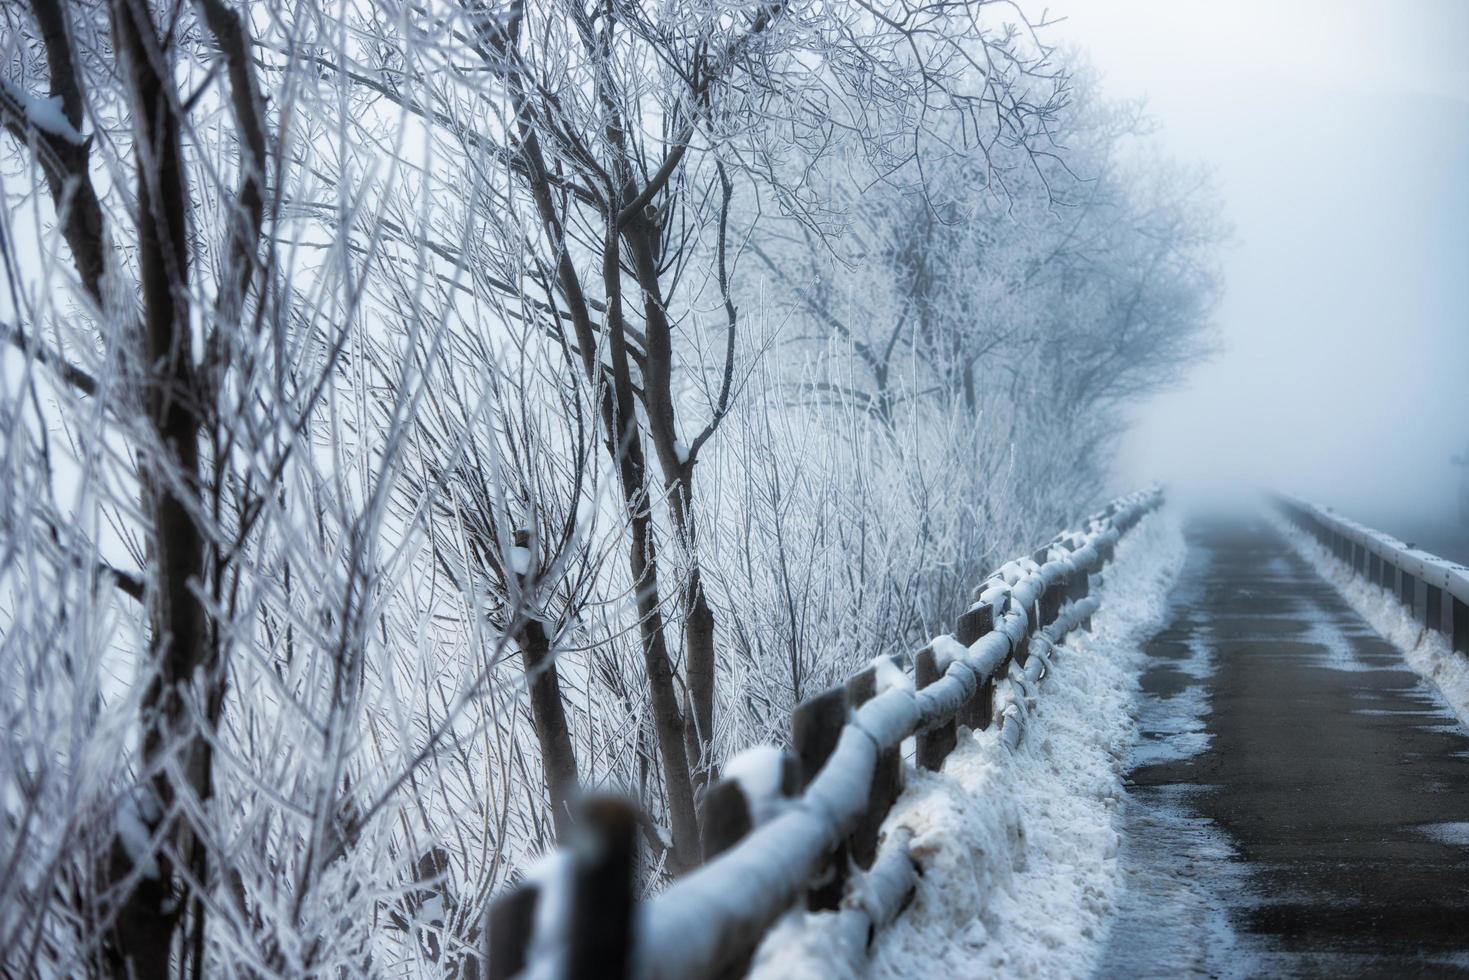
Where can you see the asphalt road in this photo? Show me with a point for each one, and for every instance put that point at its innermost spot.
(1299, 802)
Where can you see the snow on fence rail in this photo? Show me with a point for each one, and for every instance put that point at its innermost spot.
(804, 824)
(1435, 591)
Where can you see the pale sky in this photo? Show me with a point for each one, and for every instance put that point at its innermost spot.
(1404, 46)
(1339, 134)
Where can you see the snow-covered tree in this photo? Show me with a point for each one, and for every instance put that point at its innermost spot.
(414, 413)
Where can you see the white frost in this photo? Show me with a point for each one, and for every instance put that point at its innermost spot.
(136, 839)
(889, 675)
(551, 875)
(758, 771)
(946, 650)
(41, 112)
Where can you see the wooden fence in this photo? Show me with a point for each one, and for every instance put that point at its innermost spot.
(1433, 590)
(838, 778)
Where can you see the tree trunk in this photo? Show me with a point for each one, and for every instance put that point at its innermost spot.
(148, 917)
(548, 714)
(643, 556)
(699, 654)
(642, 234)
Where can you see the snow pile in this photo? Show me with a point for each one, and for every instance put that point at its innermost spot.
(1427, 651)
(1019, 849)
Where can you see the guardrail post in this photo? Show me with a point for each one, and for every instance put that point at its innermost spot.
(933, 746)
(979, 711)
(1407, 589)
(1461, 626)
(1433, 609)
(509, 924)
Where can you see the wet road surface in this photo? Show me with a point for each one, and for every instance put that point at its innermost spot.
(1299, 798)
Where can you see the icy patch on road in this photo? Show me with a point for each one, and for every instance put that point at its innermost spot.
(1426, 651)
(1019, 850)
(1182, 881)
(1447, 833)
(1179, 869)
(1172, 728)
(1337, 651)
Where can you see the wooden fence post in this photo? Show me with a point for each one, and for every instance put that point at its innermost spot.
(1078, 588)
(933, 746)
(887, 778)
(724, 817)
(600, 935)
(509, 924)
(976, 622)
(816, 726)
(1050, 602)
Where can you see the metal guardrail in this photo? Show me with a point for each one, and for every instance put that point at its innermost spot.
(840, 776)
(1435, 590)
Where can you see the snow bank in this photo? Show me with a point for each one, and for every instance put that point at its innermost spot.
(1018, 849)
(1427, 651)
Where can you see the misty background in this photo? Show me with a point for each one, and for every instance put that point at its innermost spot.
(1338, 134)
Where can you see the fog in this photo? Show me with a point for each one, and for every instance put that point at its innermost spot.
(1338, 133)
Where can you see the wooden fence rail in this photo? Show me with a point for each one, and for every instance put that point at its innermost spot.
(1433, 590)
(839, 777)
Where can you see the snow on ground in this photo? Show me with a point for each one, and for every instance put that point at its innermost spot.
(1427, 651)
(1019, 850)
